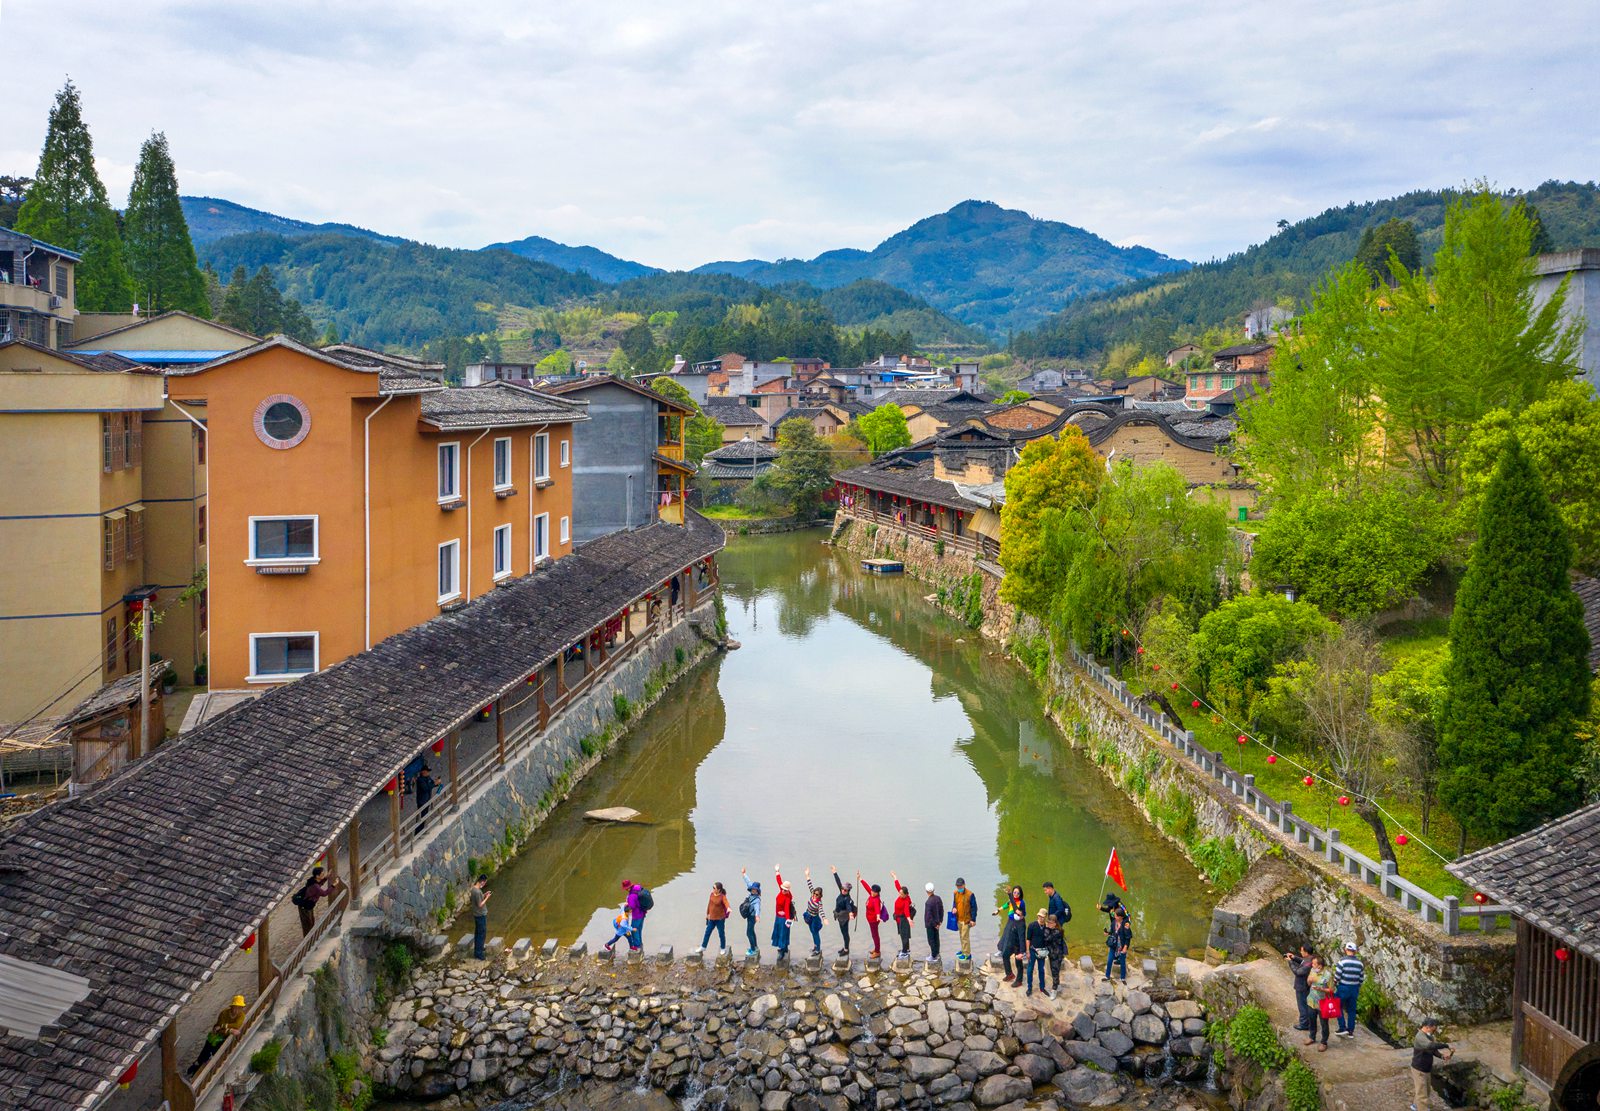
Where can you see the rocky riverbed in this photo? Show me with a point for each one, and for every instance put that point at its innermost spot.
(558, 1031)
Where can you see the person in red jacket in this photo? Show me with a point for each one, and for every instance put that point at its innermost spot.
(904, 912)
(875, 913)
(782, 916)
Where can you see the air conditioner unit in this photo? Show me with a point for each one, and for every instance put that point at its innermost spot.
(55, 301)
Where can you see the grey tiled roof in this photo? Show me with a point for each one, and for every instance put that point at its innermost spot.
(753, 468)
(117, 694)
(98, 885)
(913, 481)
(1547, 876)
(495, 404)
(744, 449)
(731, 414)
(1242, 349)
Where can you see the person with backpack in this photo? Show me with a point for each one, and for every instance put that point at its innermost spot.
(876, 913)
(782, 915)
(1056, 906)
(750, 911)
(1037, 941)
(1055, 947)
(965, 904)
(636, 911)
(1119, 938)
(1349, 973)
(424, 786)
(813, 914)
(1013, 940)
(844, 911)
(716, 916)
(904, 912)
(319, 886)
(933, 922)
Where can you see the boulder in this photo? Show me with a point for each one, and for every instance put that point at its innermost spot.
(841, 1010)
(1149, 1030)
(923, 1069)
(902, 1016)
(978, 1062)
(832, 1055)
(1035, 1067)
(1183, 1008)
(1083, 1027)
(1093, 1054)
(1115, 1041)
(996, 1090)
(1087, 1088)
(938, 1017)
(760, 1009)
(1138, 1000)
(612, 814)
(776, 1101)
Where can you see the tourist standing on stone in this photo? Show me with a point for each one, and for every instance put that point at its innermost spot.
(1319, 981)
(1056, 950)
(424, 787)
(1348, 975)
(479, 894)
(1038, 950)
(750, 911)
(844, 910)
(904, 912)
(717, 916)
(1055, 905)
(813, 914)
(782, 915)
(933, 922)
(1301, 967)
(1013, 938)
(876, 913)
(965, 904)
(1119, 938)
(1424, 1048)
(319, 886)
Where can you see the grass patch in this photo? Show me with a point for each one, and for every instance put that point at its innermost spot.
(265, 1059)
(737, 513)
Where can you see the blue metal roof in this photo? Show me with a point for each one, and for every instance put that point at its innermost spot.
(157, 357)
(62, 251)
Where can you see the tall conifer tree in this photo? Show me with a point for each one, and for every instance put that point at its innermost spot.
(1517, 683)
(67, 207)
(160, 253)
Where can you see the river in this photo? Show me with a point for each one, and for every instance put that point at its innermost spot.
(856, 726)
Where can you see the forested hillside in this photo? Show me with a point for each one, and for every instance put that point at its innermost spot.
(1154, 313)
(587, 260)
(212, 218)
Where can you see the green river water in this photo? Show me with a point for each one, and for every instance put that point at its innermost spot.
(856, 726)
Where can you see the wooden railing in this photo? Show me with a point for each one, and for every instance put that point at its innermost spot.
(1446, 911)
(965, 542)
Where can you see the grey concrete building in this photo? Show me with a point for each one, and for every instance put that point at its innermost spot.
(1582, 268)
(627, 458)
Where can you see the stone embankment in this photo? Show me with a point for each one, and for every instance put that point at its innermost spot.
(774, 1038)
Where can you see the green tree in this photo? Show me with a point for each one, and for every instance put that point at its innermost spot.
(214, 291)
(674, 391)
(254, 304)
(1396, 235)
(1539, 241)
(1561, 435)
(1242, 642)
(1408, 701)
(1052, 476)
(67, 207)
(637, 344)
(701, 434)
(1518, 683)
(884, 429)
(556, 363)
(803, 471)
(13, 189)
(1014, 397)
(155, 236)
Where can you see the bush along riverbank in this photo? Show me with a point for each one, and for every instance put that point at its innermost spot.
(783, 1037)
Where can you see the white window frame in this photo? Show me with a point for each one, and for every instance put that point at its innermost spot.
(502, 568)
(455, 571)
(453, 449)
(502, 476)
(541, 527)
(541, 457)
(566, 530)
(285, 676)
(277, 561)
(566, 453)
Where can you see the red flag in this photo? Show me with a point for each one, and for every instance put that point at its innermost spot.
(1114, 870)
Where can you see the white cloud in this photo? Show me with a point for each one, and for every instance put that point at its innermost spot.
(680, 133)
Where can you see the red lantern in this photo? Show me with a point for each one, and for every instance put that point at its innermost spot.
(1272, 757)
(1563, 954)
(1124, 632)
(1344, 800)
(1480, 898)
(392, 786)
(1174, 686)
(1195, 705)
(438, 747)
(1243, 739)
(1402, 840)
(1139, 651)
(1155, 667)
(1308, 781)
(126, 1079)
(249, 942)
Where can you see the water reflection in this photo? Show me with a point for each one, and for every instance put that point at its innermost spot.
(859, 727)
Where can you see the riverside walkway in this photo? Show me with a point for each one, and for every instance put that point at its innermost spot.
(117, 907)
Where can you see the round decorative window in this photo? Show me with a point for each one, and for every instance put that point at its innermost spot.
(282, 421)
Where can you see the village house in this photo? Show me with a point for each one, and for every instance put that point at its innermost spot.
(1244, 364)
(1581, 271)
(38, 291)
(733, 467)
(738, 420)
(352, 495)
(1181, 354)
(627, 458)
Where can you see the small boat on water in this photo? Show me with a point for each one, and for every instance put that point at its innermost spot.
(883, 566)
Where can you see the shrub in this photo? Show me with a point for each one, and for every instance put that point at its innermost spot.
(1251, 1036)
(1173, 812)
(974, 607)
(679, 656)
(1222, 860)
(621, 706)
(1371, 1002)
(1300, 1087)
(1510, 1097)
(1239, 643)
(265, 1059)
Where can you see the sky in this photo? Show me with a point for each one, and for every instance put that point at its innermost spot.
(679, 133)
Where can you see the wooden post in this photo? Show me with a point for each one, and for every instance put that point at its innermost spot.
(561, 673)
(173, 1089)
(543, 703)
(691, 593)
(355, 860)
(264, 970)
(394, 819)
(627, 624)
(455, 782)
(500, 729)
(600, 635)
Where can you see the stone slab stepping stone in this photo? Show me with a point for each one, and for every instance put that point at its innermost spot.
(464, 943)
(548, 949)
(695, 956)
(495, 945)
(664, 953)
(612, 814)
(578, 949)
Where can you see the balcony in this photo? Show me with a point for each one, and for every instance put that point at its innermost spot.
(14, 295)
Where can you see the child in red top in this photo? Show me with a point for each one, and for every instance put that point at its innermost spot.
(783, 915)
(875, 913)
(904, 912)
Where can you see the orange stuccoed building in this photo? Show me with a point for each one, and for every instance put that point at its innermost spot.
(352, 495)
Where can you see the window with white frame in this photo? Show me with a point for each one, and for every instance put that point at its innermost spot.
(541, 457)
(541, 536)
(449, 570)
(502, 551)
(282, 655)
(283, 539)
(449, 472)
(566, 453)
(502, 463)
(566, 530)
